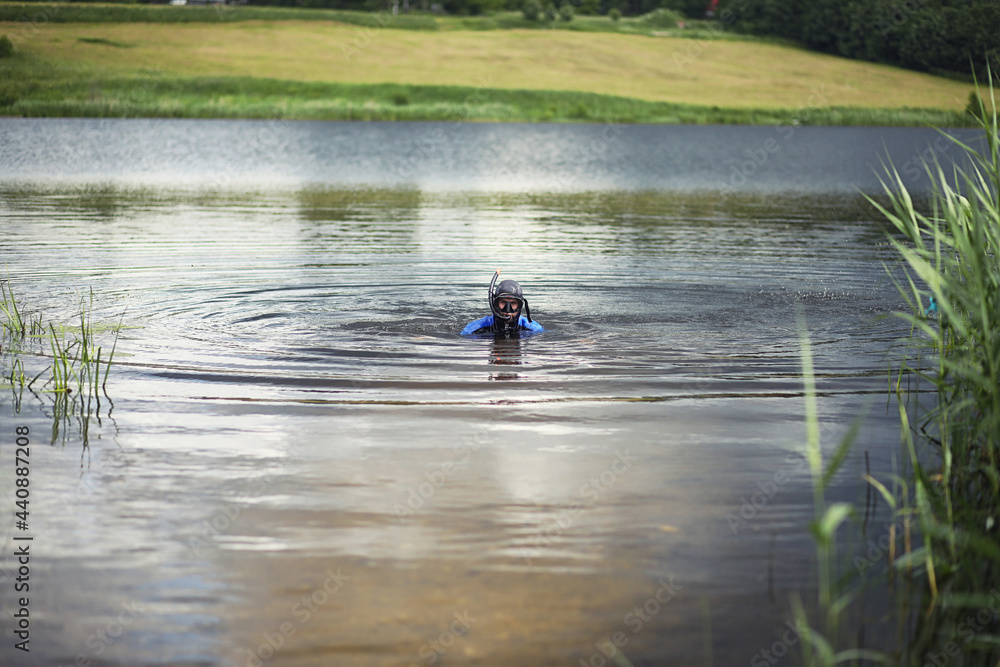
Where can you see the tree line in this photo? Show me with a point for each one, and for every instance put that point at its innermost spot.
(939, 36)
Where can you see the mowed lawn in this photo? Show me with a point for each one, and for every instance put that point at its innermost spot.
(724, 73)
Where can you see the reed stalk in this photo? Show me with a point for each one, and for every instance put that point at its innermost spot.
(12, 315)
(950, 251)
(834, 595)
(75, 371)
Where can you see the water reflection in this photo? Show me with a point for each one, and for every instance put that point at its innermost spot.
(309, 466)
(505, 351)
(477, 157)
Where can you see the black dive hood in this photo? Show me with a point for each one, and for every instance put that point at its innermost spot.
(508, 289)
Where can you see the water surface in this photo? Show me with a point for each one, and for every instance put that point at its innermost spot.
(300, 462)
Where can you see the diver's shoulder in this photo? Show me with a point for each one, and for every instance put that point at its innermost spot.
(530, 325)
(476, 325)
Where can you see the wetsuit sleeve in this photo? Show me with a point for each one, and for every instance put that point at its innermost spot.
(474, 326)
(531, 326)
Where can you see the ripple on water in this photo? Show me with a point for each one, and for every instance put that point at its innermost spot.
(291, 398)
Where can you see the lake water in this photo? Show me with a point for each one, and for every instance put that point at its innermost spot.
(300, 462)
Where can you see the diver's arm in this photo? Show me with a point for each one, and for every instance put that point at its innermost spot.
(530, 325)
(475, 326)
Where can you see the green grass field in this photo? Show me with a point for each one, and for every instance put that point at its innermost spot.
(326, 69)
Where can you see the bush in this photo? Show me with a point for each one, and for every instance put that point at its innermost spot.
(471, 7)
(550, 12)
(8, 95)
(6, 47)
(975, 107)
(615, 14)
(532, 9)
(566, 12)
(661, 18)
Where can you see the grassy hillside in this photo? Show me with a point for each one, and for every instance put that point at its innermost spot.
(320, 69)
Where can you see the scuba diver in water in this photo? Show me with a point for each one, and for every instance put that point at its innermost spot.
(506, 303)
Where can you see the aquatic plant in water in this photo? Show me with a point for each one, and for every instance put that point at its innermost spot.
(73, 372)
(834, 593)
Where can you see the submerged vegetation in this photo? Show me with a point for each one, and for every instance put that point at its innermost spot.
(60, 361)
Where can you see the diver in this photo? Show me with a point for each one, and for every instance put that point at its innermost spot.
(506, 303)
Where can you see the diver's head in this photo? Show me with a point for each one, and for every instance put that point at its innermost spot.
(507, 302)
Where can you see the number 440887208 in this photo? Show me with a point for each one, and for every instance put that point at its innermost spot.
(21, 470)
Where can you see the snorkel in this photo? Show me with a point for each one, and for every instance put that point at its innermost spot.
(506, 318)
(490, 295)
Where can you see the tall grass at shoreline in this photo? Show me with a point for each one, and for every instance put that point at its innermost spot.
(952, 287)
(33, 87)
(947, 499)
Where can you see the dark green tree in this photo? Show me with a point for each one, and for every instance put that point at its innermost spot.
(6, 47)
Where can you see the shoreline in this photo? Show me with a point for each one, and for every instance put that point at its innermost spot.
(85, 116)
(75, 94)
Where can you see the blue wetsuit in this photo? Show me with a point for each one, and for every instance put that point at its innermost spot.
(485, 325)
